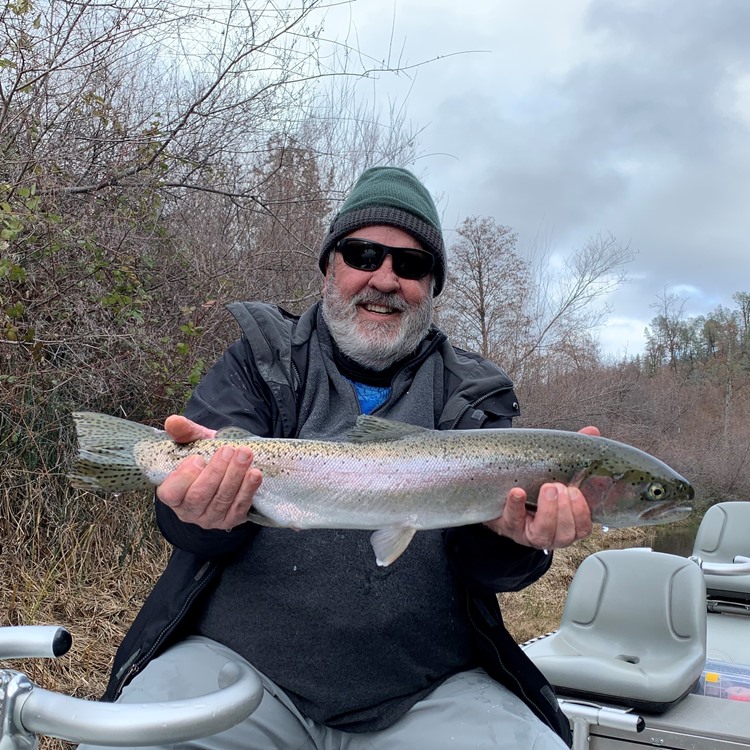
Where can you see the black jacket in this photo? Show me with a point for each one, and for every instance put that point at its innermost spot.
(270, 361)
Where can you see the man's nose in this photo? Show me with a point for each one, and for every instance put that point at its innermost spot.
(384, 279)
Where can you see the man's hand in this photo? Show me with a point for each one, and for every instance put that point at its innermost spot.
(561, 518)
(213, 495)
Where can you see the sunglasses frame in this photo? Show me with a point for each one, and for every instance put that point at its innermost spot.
(398, 255)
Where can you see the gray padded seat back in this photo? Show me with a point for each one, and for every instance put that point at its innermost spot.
(723, 534)
(633, 631)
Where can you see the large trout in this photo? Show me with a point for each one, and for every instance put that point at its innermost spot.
(396, 478)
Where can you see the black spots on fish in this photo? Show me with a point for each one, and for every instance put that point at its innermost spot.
(93, 474)
(275, 470)
(568, 473)
(639, 479)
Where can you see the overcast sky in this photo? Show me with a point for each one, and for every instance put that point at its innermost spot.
(570, 118)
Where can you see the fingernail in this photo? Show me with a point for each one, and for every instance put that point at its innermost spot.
(227, 452)
(243, 457)
(198, 462)
(550, 493)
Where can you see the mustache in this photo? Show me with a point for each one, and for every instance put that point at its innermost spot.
(374, 297)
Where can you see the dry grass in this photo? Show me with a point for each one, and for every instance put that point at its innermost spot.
(87, 567)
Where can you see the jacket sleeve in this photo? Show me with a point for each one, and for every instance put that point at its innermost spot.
(231, 393)
(489, 563)
(205, 543)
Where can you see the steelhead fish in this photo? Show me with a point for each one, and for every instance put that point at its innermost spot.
(396, 478)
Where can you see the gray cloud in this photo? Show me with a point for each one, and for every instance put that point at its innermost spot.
(623, 116)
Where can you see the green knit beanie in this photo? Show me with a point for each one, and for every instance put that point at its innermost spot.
(395, 197)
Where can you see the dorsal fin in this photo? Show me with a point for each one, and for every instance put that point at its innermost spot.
(235, 433)
(376, 429)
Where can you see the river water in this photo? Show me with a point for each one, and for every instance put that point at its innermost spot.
(676, 538)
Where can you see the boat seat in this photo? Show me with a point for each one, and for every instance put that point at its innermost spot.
(723, 534)
(633, 631)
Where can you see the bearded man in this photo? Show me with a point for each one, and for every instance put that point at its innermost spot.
(350, 655)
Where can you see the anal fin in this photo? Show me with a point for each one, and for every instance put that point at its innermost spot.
(390, 543)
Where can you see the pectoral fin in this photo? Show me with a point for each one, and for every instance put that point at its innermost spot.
(262, 520)
(389, 543)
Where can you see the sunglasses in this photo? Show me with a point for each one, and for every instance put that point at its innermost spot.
(365, 255)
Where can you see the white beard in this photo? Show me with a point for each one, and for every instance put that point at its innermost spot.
(372, 344)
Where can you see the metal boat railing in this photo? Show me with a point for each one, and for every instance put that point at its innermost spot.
(27, 710)
(740, 566)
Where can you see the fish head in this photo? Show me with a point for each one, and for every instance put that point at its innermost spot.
(636, 496)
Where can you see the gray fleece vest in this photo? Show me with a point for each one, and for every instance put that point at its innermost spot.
(354, 645)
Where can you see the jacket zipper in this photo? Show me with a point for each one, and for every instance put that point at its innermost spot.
(529, 700)
(296, 380)
(146, 658)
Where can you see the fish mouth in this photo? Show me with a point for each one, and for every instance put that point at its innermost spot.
(664, 512)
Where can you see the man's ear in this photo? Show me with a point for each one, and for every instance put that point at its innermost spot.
(329, 274)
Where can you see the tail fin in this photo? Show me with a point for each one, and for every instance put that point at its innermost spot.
(105, 458)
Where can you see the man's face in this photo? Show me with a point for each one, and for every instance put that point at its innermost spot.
(377, 317)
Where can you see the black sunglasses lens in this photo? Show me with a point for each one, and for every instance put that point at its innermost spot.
(412, 264)
(368, 256)
(364, 256)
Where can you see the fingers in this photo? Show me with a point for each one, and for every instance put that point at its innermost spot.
(562, 515)
(553, 521)
(183, 430)
(561, 518)
(581, 513)
(590, 430)
(229, 485)
(512, 522)
(213, 495)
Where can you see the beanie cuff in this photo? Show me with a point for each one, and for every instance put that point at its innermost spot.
(430, 238)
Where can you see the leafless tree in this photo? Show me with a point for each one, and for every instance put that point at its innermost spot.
(484, 306)
(526, 316)
(570, 301)
(158, 161)
(669, 335)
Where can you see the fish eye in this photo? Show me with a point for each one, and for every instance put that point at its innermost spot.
(656, 491)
